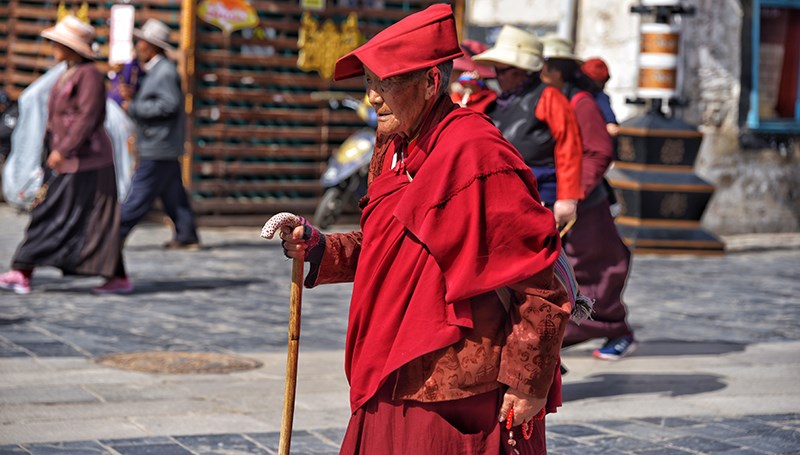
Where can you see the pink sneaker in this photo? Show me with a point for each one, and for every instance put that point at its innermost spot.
(114, 285)
(15, 281)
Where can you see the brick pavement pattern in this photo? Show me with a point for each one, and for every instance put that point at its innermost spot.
(716, 370)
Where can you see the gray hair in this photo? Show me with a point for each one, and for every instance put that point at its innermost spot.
(445, 69)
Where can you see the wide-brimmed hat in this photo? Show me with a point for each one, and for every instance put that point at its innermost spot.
(465, 63)
(156, 33)
(421, 40)
(558, 47)
(514, 47)
(74, 34)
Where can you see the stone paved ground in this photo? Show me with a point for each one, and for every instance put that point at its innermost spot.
(716, 371)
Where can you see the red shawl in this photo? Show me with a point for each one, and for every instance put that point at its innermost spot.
(470, 222)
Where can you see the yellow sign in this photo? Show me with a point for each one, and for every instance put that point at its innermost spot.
(320, 47)
(82, 14)
(229, 15)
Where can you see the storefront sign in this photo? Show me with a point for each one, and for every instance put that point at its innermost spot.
(120, 37)
(229, 15)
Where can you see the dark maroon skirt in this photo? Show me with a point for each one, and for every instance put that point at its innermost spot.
(467, 426)
(601, 262)
(75, 227)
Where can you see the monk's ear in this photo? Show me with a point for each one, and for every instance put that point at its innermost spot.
(432, 82)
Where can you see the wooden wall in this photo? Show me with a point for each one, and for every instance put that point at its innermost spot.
(258, 139)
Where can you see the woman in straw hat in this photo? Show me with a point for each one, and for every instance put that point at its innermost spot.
(537, 120)
(601, 271)
(74, 224)
(438, 362)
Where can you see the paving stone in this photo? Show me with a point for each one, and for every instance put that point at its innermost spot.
(50, 349)
(52, 395)
(702, 444)
(222, 444)
(778, 441)
(671, 422)
(574, 431)
(13, 450)
(589, 450)
(623, 443)
(301, 442)
(64, 448)
(663, 451)
(717, 430)
(153, 449)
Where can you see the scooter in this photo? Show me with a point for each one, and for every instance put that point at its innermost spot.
(345, 180)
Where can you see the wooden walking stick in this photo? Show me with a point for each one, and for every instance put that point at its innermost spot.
(295, 303)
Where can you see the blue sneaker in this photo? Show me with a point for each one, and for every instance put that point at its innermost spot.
(616, 348)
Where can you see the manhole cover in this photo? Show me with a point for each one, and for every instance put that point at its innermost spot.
(178, 362)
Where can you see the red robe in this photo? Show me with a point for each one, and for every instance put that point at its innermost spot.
(470, 222)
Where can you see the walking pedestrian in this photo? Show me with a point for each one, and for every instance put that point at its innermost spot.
(597, 70)
(74, 223)
(601, 271)
(157, 108)
(537, 119)
(436, 362)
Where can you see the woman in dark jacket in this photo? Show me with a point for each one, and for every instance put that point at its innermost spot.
(74, 223)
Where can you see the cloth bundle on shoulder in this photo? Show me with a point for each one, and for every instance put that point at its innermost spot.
(22, 173)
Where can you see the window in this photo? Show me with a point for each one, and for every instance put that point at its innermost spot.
(774, 99)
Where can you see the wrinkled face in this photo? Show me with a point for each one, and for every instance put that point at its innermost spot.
(400, 101)
(510, 77)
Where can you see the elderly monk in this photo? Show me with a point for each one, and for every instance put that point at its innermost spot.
(438, 362)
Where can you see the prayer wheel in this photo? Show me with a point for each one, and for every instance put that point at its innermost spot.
(661, 199)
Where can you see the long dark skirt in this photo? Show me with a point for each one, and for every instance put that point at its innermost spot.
(76, 227)
(601, 262)
(458, 427)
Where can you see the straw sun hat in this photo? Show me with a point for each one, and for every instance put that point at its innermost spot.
(74, 34)
(557, 47)
(514, 47)
(156, 33)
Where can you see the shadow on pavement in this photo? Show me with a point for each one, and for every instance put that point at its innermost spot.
(155, 286)
(667, 347)
(677, 347)
(607, 385)
(216, 246)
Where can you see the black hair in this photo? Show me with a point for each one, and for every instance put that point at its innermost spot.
(571, 73)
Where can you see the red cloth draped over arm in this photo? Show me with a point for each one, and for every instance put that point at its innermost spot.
(554, 109)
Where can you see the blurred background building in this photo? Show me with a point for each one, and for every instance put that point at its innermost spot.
(263, 122)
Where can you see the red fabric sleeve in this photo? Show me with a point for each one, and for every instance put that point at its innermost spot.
(554, 109)
(339, 260)
(597, 149)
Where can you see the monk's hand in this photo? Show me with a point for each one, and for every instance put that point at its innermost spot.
(299, 238)
(525, 407)
(565, 211)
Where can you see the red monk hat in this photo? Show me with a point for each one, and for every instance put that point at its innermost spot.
(421, 40)
(596, 69)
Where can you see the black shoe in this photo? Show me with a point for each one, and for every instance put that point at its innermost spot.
(176, 245)
(564, 369)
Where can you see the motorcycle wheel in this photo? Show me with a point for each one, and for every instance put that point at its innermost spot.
(329, 208)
